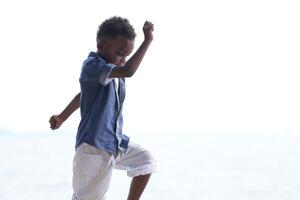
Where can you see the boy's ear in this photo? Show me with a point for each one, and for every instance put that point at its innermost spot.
(98, 45)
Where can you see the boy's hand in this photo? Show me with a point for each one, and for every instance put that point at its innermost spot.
(55, 122)
(148, 29)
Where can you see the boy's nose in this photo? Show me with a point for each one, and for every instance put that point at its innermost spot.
(122, 61)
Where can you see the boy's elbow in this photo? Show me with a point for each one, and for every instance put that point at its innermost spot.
(129, 72)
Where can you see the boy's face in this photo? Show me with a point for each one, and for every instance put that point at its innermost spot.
(115, 50)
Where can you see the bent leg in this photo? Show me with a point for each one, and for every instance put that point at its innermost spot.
(137, 186)
(139, 164)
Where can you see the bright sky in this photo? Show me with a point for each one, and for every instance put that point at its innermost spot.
(214, 66)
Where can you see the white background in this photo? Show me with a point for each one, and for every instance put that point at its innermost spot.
(214, 66)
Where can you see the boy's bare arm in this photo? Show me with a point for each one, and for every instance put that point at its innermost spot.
(133, 63)
(57, 120)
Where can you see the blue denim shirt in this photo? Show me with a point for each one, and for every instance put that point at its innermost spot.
(101, 107)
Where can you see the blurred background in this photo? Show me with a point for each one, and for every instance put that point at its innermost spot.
(216, 97)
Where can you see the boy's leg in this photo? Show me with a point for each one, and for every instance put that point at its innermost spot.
(137, 186)
(92, 170)
(139, 164)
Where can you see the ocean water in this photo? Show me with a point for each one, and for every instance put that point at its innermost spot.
(37, 166)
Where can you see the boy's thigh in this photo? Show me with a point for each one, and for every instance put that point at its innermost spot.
(136, 161)
(92, 169)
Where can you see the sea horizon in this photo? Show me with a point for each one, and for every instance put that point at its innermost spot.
(207, 166)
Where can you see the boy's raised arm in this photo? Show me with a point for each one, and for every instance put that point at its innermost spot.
(57, 120)
(133, 63)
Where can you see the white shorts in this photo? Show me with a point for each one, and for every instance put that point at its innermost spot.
(92, 169)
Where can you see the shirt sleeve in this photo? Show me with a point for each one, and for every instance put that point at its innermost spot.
(104, 77)
(95, 71)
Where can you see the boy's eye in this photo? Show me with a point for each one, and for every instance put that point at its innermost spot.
(120, 54)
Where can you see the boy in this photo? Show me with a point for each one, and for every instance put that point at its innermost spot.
(100, 143)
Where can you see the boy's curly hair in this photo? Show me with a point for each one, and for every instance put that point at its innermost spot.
(115, 26)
